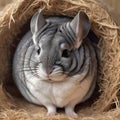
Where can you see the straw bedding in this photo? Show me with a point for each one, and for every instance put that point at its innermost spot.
(14, 22)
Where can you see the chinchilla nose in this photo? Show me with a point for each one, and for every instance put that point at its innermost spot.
(49, 71)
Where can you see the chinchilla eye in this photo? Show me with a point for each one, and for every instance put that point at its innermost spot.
(65, 50)
(37, 49)
(66, 53)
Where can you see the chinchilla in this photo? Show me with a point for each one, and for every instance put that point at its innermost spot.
(55, 63)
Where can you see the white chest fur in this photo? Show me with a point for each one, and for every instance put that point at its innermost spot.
(60, 94)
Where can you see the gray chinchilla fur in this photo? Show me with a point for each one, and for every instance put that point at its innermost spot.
(55, 63)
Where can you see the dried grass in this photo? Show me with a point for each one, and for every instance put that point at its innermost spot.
(12, 25)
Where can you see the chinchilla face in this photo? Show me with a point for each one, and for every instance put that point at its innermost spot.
(58, 45)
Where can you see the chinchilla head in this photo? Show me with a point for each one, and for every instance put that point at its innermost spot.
(57, 44)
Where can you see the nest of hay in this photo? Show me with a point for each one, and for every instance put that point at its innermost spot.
(14, 22)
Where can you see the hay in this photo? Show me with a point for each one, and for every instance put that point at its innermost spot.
(14, 20)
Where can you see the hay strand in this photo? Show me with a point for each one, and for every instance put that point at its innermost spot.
(12, 21)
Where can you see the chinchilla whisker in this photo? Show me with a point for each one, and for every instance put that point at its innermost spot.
(29, 69)
(22, 70)
(25, 71)
(26, 68)
(35, 74)
(29, 59)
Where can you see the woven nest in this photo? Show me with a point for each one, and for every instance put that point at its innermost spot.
(14, 23)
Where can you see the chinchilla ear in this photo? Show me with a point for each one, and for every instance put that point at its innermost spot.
(37, 22)
(81, 26)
